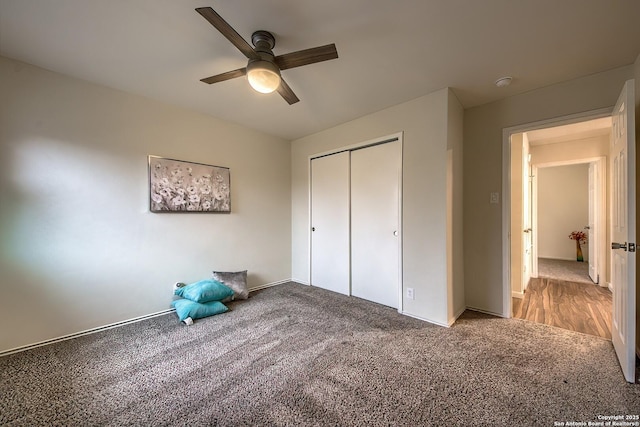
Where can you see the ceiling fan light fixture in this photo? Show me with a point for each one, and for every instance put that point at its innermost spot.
(263, 76)
(263, 69)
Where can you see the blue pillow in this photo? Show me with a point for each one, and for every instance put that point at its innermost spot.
(195, 310)
(205, 291)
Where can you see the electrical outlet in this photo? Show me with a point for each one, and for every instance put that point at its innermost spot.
(410, 294)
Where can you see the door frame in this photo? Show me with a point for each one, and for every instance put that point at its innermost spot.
(600, 214)
(506, 187)
(351, 147)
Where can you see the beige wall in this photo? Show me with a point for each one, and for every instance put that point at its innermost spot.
(571, 151)
(563, 207)
(483, 127)
(79, 248)
(425, 126)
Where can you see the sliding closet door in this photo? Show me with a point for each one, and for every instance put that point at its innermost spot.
(375, 222)
(330, 222)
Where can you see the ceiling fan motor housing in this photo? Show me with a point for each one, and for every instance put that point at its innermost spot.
(263, 41)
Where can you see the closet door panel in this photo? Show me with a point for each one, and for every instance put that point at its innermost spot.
(330, 222)
(375, 214)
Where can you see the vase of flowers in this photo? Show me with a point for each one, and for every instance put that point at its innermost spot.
(580, 237)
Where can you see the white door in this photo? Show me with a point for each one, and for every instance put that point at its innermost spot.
(527, 235)
(623, 230)
(592, 232)
(330, 222)
(375, 208)
(534, 221)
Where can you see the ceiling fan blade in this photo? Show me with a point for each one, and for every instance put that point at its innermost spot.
(225, 76)
(227, 30)
(306, 56)
(285, 91)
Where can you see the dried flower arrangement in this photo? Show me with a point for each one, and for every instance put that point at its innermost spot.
(579, 237)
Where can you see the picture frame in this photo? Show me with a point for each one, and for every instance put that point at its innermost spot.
(188, 187)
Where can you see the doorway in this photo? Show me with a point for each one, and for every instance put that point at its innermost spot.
(570, 202)
(558, 190)
(621, 227)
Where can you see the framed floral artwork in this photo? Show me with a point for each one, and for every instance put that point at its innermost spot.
(179, 186)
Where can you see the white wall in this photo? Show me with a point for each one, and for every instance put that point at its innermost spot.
(424, 122)
(455, 208)
(79, 248)
(483, 128)
(563, 207)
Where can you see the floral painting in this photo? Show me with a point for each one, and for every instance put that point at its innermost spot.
(178, 186)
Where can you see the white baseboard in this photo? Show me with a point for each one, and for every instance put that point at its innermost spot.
(85, 332)
(517, 295)
(114, 325)
(268, 285)
(452, 321)
(586, 261)
(424, 320)
(480, 310)
(609, 285)
(455, 316)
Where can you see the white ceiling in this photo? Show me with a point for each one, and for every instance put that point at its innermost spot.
(390, 51)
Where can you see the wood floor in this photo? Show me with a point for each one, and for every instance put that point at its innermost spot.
(579, 307)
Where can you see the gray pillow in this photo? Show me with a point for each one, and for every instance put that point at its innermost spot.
(235, 280)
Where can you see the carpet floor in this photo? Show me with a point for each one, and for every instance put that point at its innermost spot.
(296, 355)
(560, 269)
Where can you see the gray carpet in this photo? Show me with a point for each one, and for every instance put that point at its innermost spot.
(294, 355)
(569, 271)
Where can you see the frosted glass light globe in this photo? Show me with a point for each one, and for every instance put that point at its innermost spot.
(263, 76)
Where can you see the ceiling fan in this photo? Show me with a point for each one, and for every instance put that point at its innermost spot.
(263, 68)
